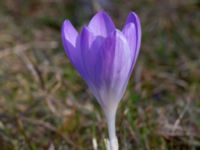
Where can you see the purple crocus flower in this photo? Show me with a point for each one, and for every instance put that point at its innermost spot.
(105, 57)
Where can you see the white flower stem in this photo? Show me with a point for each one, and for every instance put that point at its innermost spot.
(112, 144)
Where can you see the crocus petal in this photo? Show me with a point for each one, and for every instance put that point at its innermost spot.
(69, 39)
(69, 36)
(69, 32)
(129, 32)
(101, 24)
(90, 46)
(114, 68)
(133, 18)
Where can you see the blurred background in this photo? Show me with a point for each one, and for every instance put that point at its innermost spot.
(45, 105)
